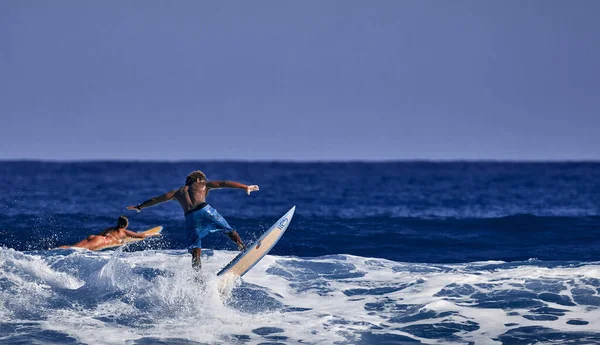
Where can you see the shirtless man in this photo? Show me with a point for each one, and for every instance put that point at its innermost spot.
(112, 235)
(200, 218)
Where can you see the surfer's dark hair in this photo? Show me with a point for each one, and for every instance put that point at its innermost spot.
(123, 222)
(193, 176)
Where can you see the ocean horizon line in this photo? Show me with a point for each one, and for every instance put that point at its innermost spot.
(305, 161)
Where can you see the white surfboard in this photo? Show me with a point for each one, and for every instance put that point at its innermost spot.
(244, 261)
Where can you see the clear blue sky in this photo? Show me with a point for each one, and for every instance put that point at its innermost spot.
(300, 80)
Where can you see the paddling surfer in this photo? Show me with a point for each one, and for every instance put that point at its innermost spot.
(201, 219)
(110, 236)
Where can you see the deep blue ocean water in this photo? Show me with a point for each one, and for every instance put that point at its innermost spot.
(407, 252)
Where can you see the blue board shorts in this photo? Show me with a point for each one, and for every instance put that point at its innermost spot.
(202, 222)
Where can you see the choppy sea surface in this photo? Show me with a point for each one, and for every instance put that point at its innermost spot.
(377, 253)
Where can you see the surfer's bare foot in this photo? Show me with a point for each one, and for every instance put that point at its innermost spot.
(199, 279)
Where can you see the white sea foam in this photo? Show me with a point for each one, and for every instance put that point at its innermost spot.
(115, 297)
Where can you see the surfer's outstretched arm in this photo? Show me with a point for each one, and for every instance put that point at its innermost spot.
(156, 200)
(231, 184)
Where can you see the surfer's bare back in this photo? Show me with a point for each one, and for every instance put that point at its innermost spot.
(200, 218)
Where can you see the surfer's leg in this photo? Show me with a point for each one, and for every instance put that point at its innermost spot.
(198, 225)
(196, 263)
(221, 225)
(235, 237)
(196, 247)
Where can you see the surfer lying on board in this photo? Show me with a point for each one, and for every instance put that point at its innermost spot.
(200, 218)
(112, 235)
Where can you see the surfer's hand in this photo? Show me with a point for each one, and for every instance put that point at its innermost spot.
(134, 208)
(250, 189)
(241, 247)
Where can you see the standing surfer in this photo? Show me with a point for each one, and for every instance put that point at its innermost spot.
(200, 218)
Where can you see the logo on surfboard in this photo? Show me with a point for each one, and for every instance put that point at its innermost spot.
(258, 244)
(282, 223)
